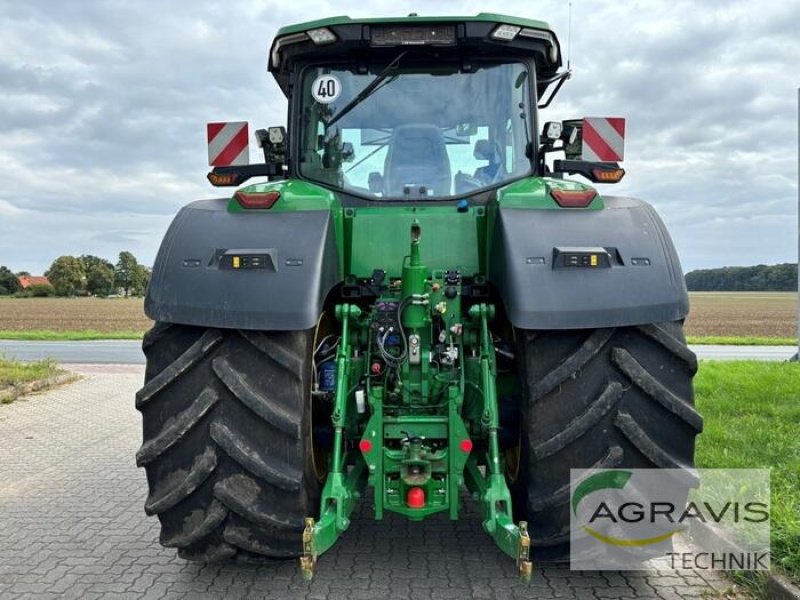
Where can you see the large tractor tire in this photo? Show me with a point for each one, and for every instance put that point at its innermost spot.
(228, 441)
(602, 398)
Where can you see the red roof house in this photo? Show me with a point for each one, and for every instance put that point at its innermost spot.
(27, 281)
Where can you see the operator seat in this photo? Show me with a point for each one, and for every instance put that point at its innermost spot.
(493, 171)
(417, 157)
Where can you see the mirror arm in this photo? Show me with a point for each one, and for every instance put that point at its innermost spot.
(586, 168)
(244, 172)
(560, 78)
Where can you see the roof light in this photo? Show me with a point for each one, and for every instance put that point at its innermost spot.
(573, 198)
(547, 36)
(321, 36)
(294, 38)
(608, 175)
(505, 33)
(263, 200)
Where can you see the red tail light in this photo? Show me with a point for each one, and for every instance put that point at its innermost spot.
(415, 498)
(263, 200)
(573, 198)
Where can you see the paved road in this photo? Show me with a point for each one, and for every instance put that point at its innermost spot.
(94, 352)
(72, 525)
(711, 352)
(129, 352)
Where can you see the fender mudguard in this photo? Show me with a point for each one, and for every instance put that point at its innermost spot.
(638, 278)
(287, 263)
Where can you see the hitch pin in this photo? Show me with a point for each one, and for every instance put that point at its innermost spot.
(524, 564)
(308, 562)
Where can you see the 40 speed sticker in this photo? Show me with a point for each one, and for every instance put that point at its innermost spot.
(326, 89)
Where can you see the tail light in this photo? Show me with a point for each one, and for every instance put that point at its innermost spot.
(263, 200)
(415, 498)
(573, 198)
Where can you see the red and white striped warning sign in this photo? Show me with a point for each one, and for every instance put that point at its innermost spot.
(227, 144)
(603, 139)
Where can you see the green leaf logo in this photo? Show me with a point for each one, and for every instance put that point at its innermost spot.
(599, 481)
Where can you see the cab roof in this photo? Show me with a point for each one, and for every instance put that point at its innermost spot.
(410, 20)
(424, 37)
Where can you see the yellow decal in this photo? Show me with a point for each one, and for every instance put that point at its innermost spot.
(236, 262)
(615, 541)
(593, 260)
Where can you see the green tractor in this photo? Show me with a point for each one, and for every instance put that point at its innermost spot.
(413, 303)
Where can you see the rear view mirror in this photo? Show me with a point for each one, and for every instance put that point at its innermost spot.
(466, 129)
(348, 154)
(375, 182)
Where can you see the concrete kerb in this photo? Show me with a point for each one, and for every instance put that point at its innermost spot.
(11, 393)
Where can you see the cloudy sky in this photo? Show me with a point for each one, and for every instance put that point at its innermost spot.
(103, 106)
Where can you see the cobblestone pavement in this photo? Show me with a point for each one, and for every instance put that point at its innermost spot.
(72, 525)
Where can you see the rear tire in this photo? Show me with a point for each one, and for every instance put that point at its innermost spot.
(227, 440)
(602, 398)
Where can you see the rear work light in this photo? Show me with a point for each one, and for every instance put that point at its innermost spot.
(321, 36)
(505, 32)
(573, 198)
(263, 200)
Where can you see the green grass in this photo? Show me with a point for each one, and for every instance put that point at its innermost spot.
(752, 420)
(69, 336)
(729, 340)
(14, 373)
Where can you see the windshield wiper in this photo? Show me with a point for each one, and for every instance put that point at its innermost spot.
(367, 91)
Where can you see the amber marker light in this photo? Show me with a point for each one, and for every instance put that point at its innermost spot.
(608, 175)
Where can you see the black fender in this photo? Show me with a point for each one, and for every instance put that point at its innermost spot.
(194, 281)
(638, 278)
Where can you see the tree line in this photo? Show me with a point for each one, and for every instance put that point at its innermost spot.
(92, 275)
(84, 275)
(760, 278)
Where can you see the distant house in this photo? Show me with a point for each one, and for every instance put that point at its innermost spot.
(27, 281)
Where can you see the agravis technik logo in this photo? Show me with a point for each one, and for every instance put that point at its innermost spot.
(607, 480)
(623, 518)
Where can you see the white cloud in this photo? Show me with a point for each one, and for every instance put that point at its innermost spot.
(103, 106)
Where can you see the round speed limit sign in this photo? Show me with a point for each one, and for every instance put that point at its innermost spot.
(326, 89)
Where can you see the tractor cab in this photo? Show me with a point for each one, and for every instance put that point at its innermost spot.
(433, 108)
(421, 109)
